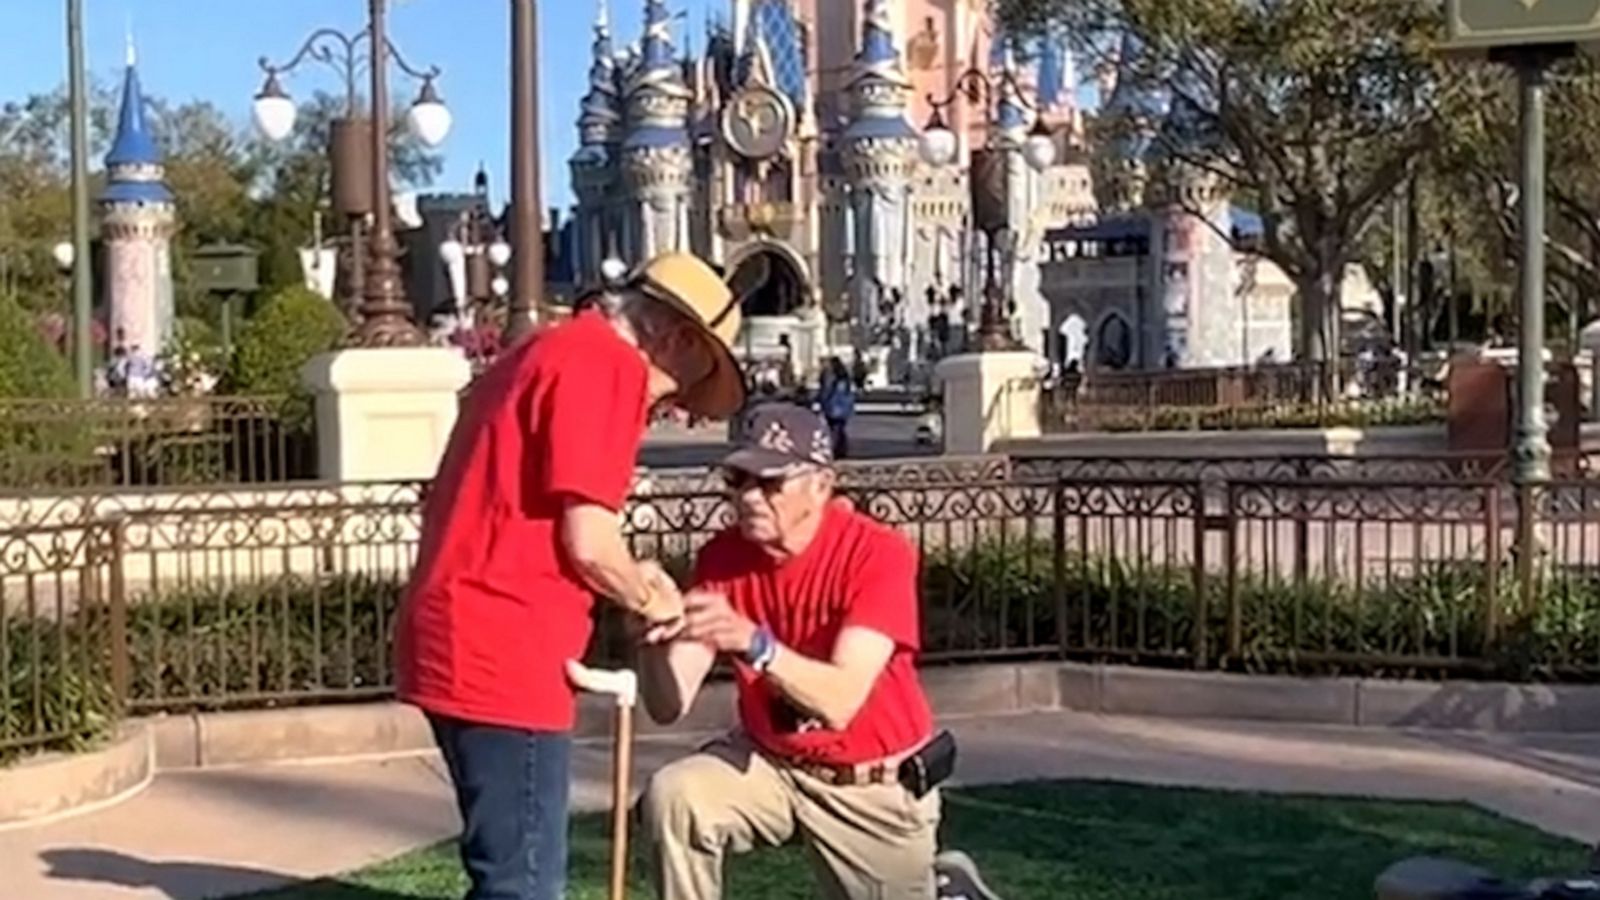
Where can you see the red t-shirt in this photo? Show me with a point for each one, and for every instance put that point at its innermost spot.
(856, 572)
(494, 610)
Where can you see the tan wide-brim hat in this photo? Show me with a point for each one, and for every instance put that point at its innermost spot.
(694, 290)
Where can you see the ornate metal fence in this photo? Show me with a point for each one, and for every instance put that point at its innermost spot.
(1264, 396)
(59, 629)
(208, 600)
(180, 441)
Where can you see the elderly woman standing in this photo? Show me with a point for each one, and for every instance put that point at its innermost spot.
(522, 527)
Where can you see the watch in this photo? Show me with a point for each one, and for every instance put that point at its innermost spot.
(763, 649)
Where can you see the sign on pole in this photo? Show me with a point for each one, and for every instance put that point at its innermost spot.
(1477, 26)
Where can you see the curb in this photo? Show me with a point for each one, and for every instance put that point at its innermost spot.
(55, 786)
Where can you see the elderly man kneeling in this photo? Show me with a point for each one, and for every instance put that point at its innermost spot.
(816, 606)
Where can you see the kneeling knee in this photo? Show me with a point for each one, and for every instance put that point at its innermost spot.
(667, 805)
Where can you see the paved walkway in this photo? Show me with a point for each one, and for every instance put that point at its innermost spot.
(215, 833)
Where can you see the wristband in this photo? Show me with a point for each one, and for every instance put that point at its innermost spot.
(763, 649)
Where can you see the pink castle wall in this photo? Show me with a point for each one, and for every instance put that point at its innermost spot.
(940, 40)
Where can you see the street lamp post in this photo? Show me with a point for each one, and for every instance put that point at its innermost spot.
(386, 316)
(527, 230)
(82, 289)
(989, 182)
(476, 245)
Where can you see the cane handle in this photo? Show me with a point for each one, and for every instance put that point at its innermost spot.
(622, 684)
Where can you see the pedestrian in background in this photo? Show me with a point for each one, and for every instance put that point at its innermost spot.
(836, 400)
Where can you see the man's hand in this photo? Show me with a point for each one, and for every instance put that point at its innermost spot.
(713, 622)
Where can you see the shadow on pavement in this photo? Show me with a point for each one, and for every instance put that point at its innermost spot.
(195, 880)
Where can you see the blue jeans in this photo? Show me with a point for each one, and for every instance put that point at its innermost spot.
(513, 790)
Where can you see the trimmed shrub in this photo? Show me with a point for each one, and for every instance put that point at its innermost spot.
(291, 638)
(29, 367)
(295, 325)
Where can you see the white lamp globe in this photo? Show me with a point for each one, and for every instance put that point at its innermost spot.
(429, 119)
(1040, 151)
(613, 270)
(499, 253)
(273, 111)
(500, 286)
(938, 143)
(65, 255)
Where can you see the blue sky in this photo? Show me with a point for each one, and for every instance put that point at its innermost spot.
(208, 49)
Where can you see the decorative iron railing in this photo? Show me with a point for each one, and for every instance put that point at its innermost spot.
(212, 600)
(1267, 396)
(166, 442)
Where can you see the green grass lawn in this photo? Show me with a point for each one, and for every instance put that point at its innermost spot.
(1095, 841)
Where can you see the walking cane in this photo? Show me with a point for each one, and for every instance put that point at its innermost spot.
(623, 686)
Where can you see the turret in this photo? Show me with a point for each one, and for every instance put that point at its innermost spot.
(880, 159)
(656, 158)
(594, 170)
(137, 222)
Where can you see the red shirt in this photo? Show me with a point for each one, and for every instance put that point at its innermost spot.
(494, 610)
(856, 572)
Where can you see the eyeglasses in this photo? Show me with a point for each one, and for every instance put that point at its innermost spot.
(739, 481)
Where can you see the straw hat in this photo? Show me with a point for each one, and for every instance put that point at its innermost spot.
(694, 290)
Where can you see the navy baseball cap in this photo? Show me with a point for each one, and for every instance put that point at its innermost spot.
(780, 438)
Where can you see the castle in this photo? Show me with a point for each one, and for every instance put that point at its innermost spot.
(788, 154)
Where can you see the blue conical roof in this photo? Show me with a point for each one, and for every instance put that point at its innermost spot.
(134, 163)
(133, 145)
(879, 114)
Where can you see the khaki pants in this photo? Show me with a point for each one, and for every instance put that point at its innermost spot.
(865, 843)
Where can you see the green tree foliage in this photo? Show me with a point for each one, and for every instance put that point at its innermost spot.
(230, 185)
(29, 366)
(1309, 112)
(1478, 165)
(292, 327)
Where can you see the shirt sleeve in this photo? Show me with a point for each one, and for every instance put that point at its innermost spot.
(593, 419)
(883, 592)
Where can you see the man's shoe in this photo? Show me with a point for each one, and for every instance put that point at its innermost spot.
(957, 878)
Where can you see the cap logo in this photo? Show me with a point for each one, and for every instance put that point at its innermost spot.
(778, 439)
(821, 447)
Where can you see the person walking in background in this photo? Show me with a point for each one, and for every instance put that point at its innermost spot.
(836, 400)
(522, 526)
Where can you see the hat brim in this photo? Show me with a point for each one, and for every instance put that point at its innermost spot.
(721, 393)
(760, 462)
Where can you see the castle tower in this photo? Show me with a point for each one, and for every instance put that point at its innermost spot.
(594, 167)
(1136, 112)
(1027, 207)
(880, 156)
(137, 222)
(657, 163)
(1058, 88)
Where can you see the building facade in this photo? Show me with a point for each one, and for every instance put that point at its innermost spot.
(788, 154)
(1162, 277)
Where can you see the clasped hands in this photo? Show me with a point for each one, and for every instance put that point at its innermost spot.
(703, 616)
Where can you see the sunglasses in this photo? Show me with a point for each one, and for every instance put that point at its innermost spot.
(739, 481)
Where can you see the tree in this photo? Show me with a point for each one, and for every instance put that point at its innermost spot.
(1310, 111)
(1480, 160)
(29, 367)
(228, 183)
(292, 327)
(34, 179)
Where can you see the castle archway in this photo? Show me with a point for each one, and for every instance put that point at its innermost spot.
(770, 280)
